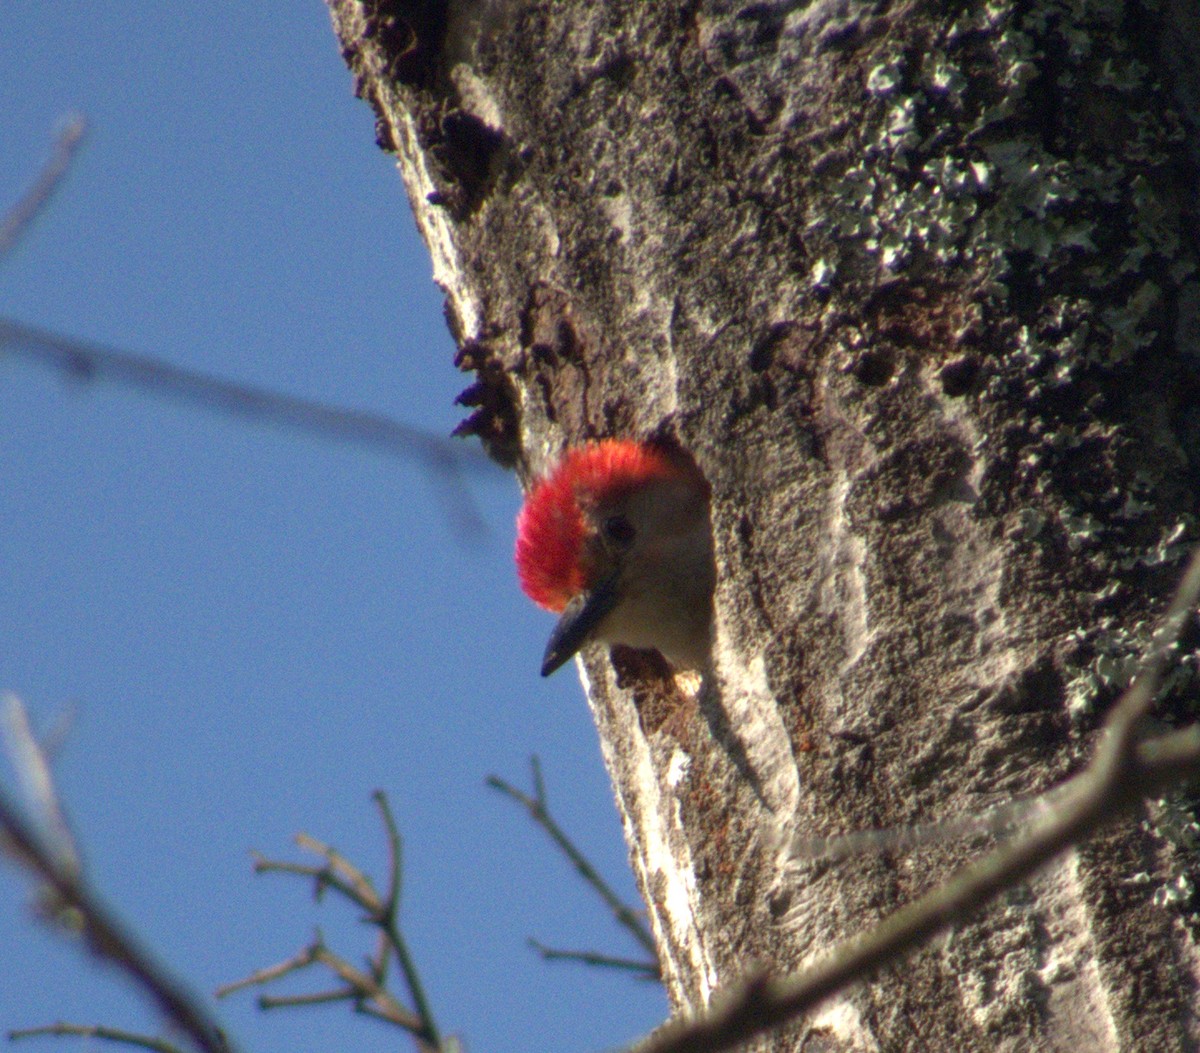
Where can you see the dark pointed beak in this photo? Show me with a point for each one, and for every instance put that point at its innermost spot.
(579, 620)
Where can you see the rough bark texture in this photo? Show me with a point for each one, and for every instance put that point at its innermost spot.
(916, 285)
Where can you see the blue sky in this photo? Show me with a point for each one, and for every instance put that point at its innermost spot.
(251, 628)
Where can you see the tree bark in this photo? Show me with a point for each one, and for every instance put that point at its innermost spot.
(915, 283)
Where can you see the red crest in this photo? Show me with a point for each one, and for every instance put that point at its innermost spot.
(551, 527)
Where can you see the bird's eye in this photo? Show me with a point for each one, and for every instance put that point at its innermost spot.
(619, 531)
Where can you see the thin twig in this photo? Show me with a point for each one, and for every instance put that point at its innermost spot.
(538, 811)
(17, 219)
(389, 923)
(108, 938)
(108, 1034)
(395, 851)
(995, 822)
(32, 766)
(305, 958)
(367, 989)
(1122, 773)
(649, 970)
(83, 360)
(346, 994)
(322, 876)
(361, 987)
(342, 874)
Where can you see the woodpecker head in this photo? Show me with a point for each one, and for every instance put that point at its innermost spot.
(617, 540)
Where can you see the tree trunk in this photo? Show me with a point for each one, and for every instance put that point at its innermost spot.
(915, 283)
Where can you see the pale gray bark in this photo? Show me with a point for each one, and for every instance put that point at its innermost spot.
(916, 285)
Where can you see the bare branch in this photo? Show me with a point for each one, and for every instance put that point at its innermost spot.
(108, 1034)
(85, 361)
(536, 807)
(388, 922)
(18, 218)
(322, 877)
(305, 958)
(32, 767)
(367, 989)
(346, 994)
(82, 360)
(342, 874)
(395, 850)
(1122, 774)
(648, 970)
(105, 934)
(1002, 820)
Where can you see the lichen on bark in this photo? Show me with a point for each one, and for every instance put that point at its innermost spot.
(916, 284)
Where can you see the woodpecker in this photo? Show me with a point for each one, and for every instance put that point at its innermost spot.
(616, 539)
